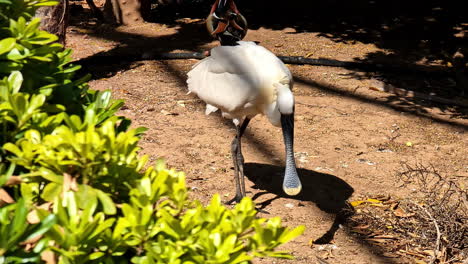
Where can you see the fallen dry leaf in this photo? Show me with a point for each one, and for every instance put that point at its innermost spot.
(69, 183)
(362, 227)
(33, 218)
(13, 180)
(5, 197)
(377, 240)
(48, 257)
(356, 203)
(401, 213)
(386, 236)
(413, 253)
(394, 205)
(375, 89)
(373, 200)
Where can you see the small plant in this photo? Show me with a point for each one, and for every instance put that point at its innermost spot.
(16, 232)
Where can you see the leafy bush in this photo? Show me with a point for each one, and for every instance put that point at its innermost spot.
(84, 195)
(15, 230)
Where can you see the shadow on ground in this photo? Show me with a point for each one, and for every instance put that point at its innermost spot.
(411, 32)
(327, 191)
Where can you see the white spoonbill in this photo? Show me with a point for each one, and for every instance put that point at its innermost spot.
(243, 79)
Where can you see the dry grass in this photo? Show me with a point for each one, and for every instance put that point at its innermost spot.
(429, 226)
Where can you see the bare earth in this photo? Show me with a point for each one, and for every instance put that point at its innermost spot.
(350, 140)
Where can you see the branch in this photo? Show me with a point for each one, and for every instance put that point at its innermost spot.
(109, 58)
(436, 249)
(298, 60)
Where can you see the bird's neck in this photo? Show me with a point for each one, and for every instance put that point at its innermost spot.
(285, 99)
(226, 39)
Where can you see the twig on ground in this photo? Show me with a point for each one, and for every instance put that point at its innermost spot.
(436, 249)
(466, 261)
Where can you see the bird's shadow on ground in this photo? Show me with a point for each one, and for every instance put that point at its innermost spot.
(327, 191)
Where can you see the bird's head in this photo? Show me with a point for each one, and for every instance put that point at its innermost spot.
(226, 23)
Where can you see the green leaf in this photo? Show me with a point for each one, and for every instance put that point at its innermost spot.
(51, 191)
(7, 44)
(47, 3)
(107, 203)
(51, 176)
(16, 55)
(40, 58)
(15, 79)
(9, 66)
(32, 27)
(289, 235)
(36, 102)
(96, 255)
(13, 149)
(140, 130)
(42, 38)
(44, 226)
(19, 221)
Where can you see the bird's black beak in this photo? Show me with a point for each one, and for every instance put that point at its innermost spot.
(291, 183)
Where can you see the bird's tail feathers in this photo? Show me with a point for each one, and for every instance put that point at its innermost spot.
(210, 109)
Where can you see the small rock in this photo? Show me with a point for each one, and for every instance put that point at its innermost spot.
(289, 205)
(384, 150)
(370, 163)
(164, 112)
(376, 85)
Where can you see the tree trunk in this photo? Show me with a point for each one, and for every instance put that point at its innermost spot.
(54, 19)
(127, 12)
(460, 66)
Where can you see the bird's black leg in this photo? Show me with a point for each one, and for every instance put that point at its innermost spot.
(238, 161)
(240, 157)
(234, 148)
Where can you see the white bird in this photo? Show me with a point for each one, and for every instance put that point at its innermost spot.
(244, 80)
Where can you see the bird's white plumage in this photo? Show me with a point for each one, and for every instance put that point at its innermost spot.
(243, 80)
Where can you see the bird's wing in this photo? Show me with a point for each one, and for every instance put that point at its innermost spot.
(224, 80)
(234, 78)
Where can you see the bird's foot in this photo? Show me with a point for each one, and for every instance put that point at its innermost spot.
(235, 200)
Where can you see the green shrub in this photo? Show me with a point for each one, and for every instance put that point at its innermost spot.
(14, 230)
(82, 177)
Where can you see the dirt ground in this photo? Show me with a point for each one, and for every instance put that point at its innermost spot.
(350, 138)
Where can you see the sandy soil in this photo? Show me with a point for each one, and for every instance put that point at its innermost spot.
(350, 140)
